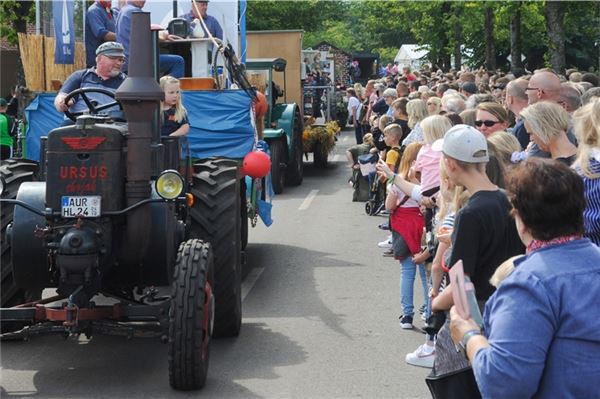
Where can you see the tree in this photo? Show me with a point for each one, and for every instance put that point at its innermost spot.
(515, 37)
(556, 34)
(14, 17)
(490, 46)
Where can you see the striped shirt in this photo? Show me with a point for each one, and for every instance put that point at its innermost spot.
(591, 214)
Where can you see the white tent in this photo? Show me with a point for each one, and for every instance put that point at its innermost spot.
(408, 55)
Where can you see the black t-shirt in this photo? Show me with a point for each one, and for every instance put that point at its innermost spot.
(405, 129)
(378, 139)
(169, 124)
(484, 236)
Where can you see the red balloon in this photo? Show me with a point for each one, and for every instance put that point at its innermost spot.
(257, 164)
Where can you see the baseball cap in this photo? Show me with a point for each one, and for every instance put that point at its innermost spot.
(465, 143)
(390, 93)
(469, 87)
(111, 49)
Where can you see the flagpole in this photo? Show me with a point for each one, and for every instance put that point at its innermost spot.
(38, 29)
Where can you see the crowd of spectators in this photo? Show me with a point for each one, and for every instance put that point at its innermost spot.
(504, 175)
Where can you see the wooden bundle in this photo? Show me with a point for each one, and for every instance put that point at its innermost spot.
(37, 55)
(32, 57)
(60, 72)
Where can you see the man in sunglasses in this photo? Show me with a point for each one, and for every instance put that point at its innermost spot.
(105, 75)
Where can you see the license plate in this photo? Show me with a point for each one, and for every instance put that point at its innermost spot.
(84, 206)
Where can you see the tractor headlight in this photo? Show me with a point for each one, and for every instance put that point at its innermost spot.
(169, 184)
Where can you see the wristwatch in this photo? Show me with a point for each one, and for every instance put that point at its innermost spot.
(465, 339)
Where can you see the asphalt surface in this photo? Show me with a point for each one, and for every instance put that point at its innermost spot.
(321, 307)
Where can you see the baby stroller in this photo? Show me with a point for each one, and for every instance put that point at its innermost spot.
(376, 201)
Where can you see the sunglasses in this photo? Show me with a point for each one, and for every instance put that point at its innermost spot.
(487, 123)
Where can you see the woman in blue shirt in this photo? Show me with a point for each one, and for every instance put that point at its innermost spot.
(541, 333)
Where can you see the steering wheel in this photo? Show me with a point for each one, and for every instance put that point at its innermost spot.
(93, 108)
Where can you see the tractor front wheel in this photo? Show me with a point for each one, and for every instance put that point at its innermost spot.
(295, 168)
(191, 315)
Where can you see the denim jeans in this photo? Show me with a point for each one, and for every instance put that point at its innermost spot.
(407, 281)
(172, 65)
(358, 132)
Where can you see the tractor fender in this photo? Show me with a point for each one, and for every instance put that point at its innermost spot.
(165, 236)
(30, 260)
(283, 115)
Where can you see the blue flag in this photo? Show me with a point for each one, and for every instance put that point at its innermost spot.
(64, 31)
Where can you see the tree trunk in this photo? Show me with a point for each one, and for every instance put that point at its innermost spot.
(490, 45)
(515, 38)
(457, 43)
(21, 12)
(556, 35)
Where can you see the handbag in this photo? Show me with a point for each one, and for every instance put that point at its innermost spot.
(460, 384)
(452, 376)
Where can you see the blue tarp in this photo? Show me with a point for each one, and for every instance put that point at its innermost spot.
(41, 118)
(220, 123)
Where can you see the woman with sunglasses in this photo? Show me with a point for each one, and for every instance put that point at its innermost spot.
(491, 118)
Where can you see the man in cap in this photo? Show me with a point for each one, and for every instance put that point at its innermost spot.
(200, 8)
(468, 88)
(105, 75)
(484, 232)
(99, 28)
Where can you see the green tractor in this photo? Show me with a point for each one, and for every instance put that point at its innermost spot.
(283, 124)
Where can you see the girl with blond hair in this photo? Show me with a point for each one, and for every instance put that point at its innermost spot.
(174, 115)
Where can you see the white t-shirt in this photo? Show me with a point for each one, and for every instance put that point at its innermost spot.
(354, 102)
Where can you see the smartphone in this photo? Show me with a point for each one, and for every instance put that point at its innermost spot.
(463, 294)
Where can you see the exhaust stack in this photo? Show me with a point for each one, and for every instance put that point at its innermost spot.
(140, 96)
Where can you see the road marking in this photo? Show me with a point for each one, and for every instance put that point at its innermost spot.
(335, 158)
(307, 201)
(250, 280)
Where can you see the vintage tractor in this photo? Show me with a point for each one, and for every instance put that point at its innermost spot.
(109, 212)
(283, 124)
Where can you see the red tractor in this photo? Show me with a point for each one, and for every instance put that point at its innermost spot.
(107, 211)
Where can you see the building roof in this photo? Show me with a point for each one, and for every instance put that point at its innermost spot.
(332, 46)
(410, 52)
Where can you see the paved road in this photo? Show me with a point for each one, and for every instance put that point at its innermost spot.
(320, 318)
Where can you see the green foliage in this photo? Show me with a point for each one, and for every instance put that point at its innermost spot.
(14, 14)
(383, 26)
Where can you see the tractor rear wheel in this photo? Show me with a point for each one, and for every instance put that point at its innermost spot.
(295, 168)
(191, 316)
(216, 219)
(13, 172)
(277, 158)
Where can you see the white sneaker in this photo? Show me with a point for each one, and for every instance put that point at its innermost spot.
(422, 357)
(386, 244)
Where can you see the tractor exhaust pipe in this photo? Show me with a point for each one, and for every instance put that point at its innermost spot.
(140, 95)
